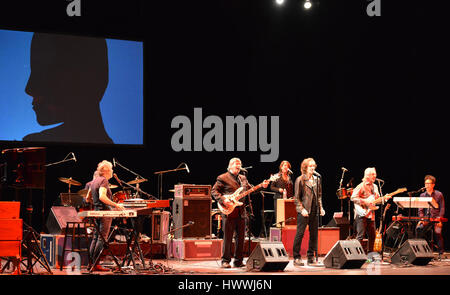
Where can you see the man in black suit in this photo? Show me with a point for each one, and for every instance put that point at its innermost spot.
(226, 184)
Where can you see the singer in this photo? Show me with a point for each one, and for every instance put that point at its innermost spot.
(423, 227)
(227, 183)
(366, 224)
(308, 202)
(101, 197)
(283, 186)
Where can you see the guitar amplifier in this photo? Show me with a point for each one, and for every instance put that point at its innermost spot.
(192, 190)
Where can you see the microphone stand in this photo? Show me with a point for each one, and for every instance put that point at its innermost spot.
(340, 191)
(43, 191)
(160, 177)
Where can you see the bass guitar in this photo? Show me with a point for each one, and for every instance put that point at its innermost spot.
(237, 195)
(364, 210)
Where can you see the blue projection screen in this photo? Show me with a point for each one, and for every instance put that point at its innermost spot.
(70, 89)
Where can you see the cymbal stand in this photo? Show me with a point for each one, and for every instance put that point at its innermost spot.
(160, 177)
(137, 177)
(43, 194)
(122, 183)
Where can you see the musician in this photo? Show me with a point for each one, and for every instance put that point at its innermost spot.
(227, 183)
(366, 224)
(308, 202)
(283, 186)
(101, 197)
(423, 227)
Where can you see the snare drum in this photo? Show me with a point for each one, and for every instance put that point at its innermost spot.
(121, 196)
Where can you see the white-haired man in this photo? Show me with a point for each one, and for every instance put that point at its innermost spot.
(366, 224)
(101, 194)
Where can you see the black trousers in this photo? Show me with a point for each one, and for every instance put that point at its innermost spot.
(313, 222)
(429, 229)
(365, 226)
(233, 225)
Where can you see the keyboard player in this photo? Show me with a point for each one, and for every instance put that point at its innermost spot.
(423, 227)
(101, 196)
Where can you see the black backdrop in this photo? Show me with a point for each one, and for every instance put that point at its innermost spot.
(351, 90)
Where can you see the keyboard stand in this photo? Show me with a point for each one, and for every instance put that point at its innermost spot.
(105, 247)
(133, 238)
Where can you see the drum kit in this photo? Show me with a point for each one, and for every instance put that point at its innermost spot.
(117, 197)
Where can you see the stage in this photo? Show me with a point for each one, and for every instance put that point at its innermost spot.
(168, 267)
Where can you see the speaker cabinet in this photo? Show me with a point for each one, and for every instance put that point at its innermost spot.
(345, 254)
(268, 256)
(413, 251)
(58, 218)
(342, 222)
(195, 209)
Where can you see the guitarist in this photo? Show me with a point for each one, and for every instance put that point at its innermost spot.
(227, 183)
(366, 224)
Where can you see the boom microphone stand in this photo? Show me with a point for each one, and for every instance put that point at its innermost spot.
(160, 176)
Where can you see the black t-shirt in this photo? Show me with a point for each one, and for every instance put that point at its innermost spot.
(95, 186)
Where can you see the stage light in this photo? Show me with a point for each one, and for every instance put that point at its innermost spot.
(307, 4)
(279, 2)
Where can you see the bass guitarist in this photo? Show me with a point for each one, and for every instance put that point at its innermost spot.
(365, 224)
(226, 184)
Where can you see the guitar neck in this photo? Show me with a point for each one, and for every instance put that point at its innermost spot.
(247, 192)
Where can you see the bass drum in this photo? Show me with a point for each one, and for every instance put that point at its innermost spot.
(121, 196)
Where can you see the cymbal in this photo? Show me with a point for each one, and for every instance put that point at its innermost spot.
(136, 181)
(69, 181)
(113, 186)
(172, 190)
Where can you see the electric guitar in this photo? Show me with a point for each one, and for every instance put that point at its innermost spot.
(364, 210)
(236, 196)
(378, 236)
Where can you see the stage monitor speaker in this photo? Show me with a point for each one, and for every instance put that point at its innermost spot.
(345, 254)
(58, 218)
(413, 251)
(268, 256)
(192, 209)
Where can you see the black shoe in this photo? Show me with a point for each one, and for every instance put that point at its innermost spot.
(226, 264)
(298, 262)
(238, 264)
(310, 260)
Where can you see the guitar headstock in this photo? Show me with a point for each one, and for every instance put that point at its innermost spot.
(274, 177)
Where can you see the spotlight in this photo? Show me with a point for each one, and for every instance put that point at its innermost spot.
(307, 4)
(279, 2)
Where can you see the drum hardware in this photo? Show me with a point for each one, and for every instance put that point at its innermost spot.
(69, 181)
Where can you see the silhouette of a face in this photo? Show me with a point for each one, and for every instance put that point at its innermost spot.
(68, 74)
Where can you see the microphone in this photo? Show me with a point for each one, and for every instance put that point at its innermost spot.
(190, 223)
(114, 162)
(244, 170)
(422, 190)
(74, 158)
(344, 169)
(117, 178)
(290, 171)
(317, 174)
(187, 168)
(379, 180)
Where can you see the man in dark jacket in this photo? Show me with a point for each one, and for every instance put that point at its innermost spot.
(226, 184)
